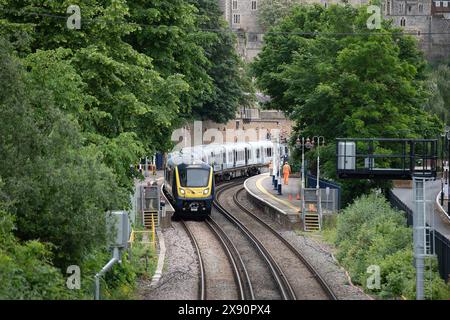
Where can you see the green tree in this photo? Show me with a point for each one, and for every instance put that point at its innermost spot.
(231, 85)
(271, 12)
(58, 188)
(25, 268)
(438, 83)
(336, 78)
(120, 99)
(189, 37)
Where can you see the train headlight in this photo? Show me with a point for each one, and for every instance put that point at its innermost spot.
(206, 191)
(182, 191)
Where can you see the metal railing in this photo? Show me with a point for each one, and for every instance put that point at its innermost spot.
(386, 158)
(323, 184)
(441, 243)
(146, 237)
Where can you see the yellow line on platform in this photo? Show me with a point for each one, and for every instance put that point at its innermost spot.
(263, 190)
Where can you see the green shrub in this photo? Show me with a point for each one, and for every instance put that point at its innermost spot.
(370, 232)
(25, 268)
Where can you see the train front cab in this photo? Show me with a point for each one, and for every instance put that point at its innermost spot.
(194, 191)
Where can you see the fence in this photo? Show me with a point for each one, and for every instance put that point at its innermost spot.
(442, 244)
(323, 184)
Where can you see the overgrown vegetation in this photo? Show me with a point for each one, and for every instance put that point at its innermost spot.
(77, 107)
(370, 232)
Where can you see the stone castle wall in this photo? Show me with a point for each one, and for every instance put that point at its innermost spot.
(418, 17)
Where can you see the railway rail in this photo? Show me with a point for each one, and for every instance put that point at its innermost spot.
(244, 221)
(283, 280)
(242, 281)
(285, 288)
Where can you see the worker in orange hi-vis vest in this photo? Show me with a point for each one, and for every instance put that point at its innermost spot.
(286, 172)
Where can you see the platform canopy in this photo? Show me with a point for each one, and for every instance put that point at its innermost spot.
(385, 158)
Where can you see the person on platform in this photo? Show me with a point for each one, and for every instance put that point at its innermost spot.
(286, 172)
(270, 168)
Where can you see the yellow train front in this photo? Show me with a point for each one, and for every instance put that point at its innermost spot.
(190, 187)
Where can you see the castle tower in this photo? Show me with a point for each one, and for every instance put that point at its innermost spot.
(242, 17)
(426, 19)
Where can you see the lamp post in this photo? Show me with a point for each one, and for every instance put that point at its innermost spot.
(301, 143)
(277, 164)
(319, 201)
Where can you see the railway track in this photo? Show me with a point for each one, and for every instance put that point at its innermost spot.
(211, 234)
(284, 287)
(294, 280)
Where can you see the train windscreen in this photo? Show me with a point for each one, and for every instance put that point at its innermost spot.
(194, 178)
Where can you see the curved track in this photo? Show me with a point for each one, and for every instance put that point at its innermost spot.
(285, 289)
(305, 271)
(206, 238)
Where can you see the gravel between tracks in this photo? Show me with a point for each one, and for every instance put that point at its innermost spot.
(305, 286)
(180, 274)
(264, 286)
(180, 278)
(220, 282)
(318, 253)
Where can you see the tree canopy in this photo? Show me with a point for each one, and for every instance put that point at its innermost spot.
(78, 107)
(336, 78)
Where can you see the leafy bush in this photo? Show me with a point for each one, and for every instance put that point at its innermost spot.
(370, 232)
(25, 268)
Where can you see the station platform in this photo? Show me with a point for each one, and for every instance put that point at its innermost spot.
(284, 208)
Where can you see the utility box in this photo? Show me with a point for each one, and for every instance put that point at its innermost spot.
(346, 155)
(119, 229)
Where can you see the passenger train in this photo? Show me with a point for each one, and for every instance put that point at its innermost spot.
(190, 174)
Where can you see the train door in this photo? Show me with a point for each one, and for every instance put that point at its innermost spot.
(246, 154)
(224, 157)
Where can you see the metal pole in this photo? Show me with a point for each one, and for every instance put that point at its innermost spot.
(146, 167)
(419, 229)
(114, 259)
(446, 172)
(442, 168)
(280, 164)
(303, 179)
(274, 158)
(319, 200)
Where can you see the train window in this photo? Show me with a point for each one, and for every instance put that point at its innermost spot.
(257, 154)
(194, 177)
